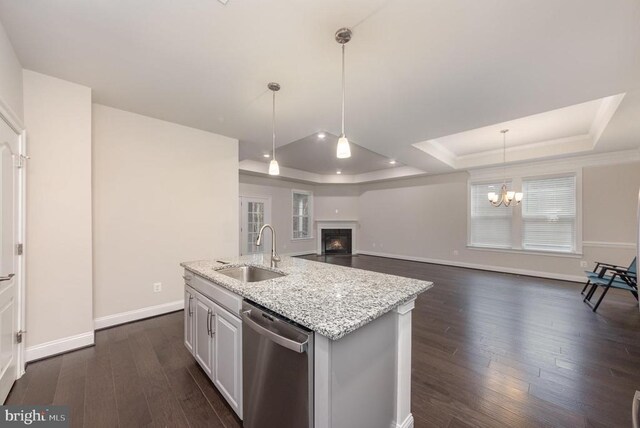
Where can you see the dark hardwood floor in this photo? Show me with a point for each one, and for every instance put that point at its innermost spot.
(489, 350)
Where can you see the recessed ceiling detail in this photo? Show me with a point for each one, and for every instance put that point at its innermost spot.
(318, 156)
(565, 131)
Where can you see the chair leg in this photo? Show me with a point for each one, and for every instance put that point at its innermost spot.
(595, 308)
(585, 286)
(590, 293)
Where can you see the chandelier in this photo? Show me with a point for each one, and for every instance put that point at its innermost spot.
(506, 197)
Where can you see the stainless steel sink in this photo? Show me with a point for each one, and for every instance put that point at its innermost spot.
(249, 273)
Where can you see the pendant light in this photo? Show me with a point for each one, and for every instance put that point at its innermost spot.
(343, 36)
(505, 197)
(274, 168)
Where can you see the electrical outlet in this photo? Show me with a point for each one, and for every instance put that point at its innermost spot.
(584, 263)
(157, 287)
(456, 252)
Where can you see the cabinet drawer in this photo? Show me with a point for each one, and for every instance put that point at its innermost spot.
(225, 298)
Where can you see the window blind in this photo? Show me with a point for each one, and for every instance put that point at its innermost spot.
(549, 214)
(490, 226)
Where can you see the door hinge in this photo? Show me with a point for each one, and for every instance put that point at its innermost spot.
(19, 249)
(19, 336)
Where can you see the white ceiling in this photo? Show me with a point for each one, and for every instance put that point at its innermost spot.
(560, 123)
(417, 70)
(567, 131)
(318, 155)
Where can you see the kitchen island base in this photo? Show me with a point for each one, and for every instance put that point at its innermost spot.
(364, 379)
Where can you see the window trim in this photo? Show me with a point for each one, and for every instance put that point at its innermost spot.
(516, 217)
(309, 193)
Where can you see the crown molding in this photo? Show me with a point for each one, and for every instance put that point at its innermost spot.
(553, 166)
(10, 117)
(252, 167)
(565, 146)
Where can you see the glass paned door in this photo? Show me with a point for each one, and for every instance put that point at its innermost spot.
(254, 212)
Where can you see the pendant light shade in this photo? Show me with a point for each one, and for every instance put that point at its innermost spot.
(274, 168)
(343, 151)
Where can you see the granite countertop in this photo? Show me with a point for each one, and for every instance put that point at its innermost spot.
(328, 299)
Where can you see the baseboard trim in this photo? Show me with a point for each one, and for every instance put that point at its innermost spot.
(137, 314)
(299, 253)
(59, 346)
(525, 272)
(407, 423)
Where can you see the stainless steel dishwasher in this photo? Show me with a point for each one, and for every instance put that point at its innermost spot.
(277, 371)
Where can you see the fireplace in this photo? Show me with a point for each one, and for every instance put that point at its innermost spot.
(336, 241)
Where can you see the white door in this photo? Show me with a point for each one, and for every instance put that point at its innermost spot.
(9, 260)
(254, 212)
(227, 374)
(203, 311)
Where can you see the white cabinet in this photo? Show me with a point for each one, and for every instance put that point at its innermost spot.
(189, 320)
(227, 373)
(204, 343)
(213, 334)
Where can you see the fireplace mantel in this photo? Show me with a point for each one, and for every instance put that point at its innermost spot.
(337, 224)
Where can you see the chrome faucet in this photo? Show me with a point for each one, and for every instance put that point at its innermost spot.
(275, 258)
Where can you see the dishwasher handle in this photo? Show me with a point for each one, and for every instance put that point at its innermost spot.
(280, 340)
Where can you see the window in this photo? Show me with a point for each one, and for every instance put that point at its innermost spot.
(547, 219)
(490, 226)
(302, 206)
(549, 214)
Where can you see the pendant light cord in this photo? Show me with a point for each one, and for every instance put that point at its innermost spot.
(343, 84)
(273, 125)
(504, 158)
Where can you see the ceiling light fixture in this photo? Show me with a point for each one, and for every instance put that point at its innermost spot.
(392, 162)
(343, 36)
(321, 135)
(266, 155)
(338, 172)
(505, 197)
(274, 168)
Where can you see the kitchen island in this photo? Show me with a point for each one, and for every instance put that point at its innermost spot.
(361, 324)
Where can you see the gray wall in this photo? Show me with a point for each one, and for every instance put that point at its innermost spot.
(329, 202)
(426, 219)
(10, 76)
(162, 195)
(59, 252)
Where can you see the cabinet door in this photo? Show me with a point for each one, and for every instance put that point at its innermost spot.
(203, 312)
(227, 374)
(189, 320)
